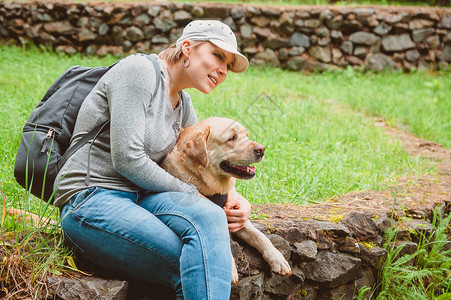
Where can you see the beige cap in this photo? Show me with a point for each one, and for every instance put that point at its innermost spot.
(220, 35)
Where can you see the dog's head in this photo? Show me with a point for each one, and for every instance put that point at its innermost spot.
(220, 146)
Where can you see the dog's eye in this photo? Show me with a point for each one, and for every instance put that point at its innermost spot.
(232, 138)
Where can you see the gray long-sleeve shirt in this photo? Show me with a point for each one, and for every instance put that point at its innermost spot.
(143, 131)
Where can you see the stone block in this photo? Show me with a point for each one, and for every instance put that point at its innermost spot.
(397, 42)
(336, 56)
(182, 17)
(299, 40)
(305, 251)
(446, 54)
(60, 27)
(307, 292)
(299, 63)
(333, 269)
(251, 263)
(421, 34)
(364, 38)
(295, 51)
(248, 288)
(368, 280)
(323, 54)
(348, 245)
(237, 13)
(445, 22)
(164, 25)
(337, 36)
(400, 28)
(335, 22)
(312, 23)
(419, 226)
(281, 244)
(433, 42)
(382, 221)
(197, 12)
(86, 35)
(344, 292)
(274, 42)
(88, 288)
(382, 29)
(262, 32)
(350, 26)
(260, 21)
(281, 285)
(379, 62)
(246, 30)
(347, 47)
(370, 256)
(360, 51)
(360, 224)
(216, 12)
(323, 42)
(420, 23)
(267, 57)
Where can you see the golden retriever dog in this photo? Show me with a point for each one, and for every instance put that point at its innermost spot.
(211, 155)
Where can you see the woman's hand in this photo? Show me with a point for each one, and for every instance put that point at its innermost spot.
(237, 210)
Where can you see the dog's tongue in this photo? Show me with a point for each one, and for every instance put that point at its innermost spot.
(250, 169)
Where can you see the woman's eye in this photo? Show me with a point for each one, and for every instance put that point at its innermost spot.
(222, 58)
(219, 56)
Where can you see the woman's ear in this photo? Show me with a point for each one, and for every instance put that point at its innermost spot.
(186, 48)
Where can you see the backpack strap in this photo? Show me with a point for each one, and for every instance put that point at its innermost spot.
(91, 136)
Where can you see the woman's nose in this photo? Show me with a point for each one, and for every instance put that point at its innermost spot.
(223, 69)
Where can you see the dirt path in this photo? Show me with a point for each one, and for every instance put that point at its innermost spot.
(412, 196)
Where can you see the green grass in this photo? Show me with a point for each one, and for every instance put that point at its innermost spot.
(418, 103)
(315, 148)
(424, 274)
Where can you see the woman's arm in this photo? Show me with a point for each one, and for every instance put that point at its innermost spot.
(238, 210)
(129, 93)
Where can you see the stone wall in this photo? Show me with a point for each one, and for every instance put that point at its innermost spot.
(330, 259)
(300, 38)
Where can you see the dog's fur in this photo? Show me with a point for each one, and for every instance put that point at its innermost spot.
(211, 155)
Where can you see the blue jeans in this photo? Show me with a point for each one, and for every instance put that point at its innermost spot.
(175, 239)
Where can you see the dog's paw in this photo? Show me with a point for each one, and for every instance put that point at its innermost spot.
(235, 278)
(279, 264)
(284, 268)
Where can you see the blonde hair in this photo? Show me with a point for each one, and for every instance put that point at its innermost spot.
(172, 54)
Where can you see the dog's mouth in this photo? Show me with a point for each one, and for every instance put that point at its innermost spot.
(241, 172)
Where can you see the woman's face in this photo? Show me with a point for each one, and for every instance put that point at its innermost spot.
(208, 66)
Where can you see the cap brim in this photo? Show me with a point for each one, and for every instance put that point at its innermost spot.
(240, 63)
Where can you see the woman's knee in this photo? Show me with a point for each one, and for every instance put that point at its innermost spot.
(210, 213)
(186, 213)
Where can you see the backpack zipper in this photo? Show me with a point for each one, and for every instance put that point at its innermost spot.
(46, 141)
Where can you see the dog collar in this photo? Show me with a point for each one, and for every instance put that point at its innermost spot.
(218, 199)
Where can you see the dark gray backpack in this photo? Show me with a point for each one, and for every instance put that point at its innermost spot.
(44, 147)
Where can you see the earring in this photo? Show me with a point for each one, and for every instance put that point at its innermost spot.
(185, 64)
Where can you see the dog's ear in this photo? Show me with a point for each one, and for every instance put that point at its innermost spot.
(196, 148)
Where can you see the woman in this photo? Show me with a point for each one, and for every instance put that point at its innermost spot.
(129, 215)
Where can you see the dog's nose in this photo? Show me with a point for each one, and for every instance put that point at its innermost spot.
(259, 150)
